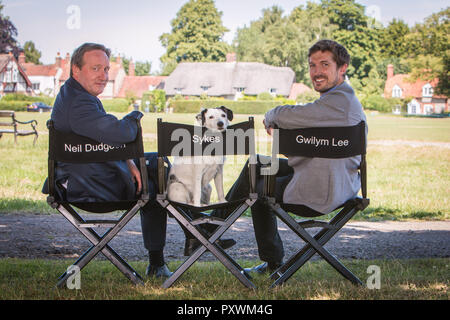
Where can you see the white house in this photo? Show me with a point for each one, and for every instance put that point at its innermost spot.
(12, 76)
(424, 101)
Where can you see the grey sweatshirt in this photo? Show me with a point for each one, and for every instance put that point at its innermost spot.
(321, 184)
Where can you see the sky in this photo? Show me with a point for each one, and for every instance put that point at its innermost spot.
(132, 28)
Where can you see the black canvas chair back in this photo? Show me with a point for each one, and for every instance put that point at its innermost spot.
(323, 142)
(72, 148)
(186, 140)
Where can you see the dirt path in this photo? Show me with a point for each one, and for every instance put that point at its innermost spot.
(52, 237)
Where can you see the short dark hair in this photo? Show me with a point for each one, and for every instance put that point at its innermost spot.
(340, 54)
(78, 53)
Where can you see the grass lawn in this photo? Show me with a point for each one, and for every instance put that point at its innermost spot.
(404, 182)
(399, 280)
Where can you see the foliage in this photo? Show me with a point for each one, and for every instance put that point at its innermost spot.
(429, 47)
(241, 107)
(19, 101)
(156, 99)
(283, 41)
(378, 103)
(140, 68)
(393, 42)
(8, 32)
(409, 279)
(264, 96)
(280, 40)
(307, 97)
(116, 105)
(31, 53)
(196, 36)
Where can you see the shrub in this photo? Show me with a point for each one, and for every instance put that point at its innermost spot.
(14, 105)
(264, 96)
(19, 101)
(156, 98)
(378, 103)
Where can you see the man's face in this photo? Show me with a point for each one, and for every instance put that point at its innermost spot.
(93, 75)
(324, 71)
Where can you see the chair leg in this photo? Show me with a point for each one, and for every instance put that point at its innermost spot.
(208, 244)
(314, 244)
(74, 218)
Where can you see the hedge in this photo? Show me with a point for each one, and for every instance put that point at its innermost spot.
(240, 107)
(116, 105)
(378, 103)
(19, 101)
(14, 105)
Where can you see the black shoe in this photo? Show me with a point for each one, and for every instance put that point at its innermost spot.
(266, 267)
(158, 272)
(191, 245)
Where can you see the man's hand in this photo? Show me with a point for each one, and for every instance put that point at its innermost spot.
(268, 129)
(135, 174)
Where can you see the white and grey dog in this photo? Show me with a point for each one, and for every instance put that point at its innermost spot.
(189, 177)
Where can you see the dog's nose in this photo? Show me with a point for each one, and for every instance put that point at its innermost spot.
(220, 124)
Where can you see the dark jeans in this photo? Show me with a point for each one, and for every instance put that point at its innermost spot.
(270, 246)
(153, 216)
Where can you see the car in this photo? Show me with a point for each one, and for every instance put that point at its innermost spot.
(38, 107)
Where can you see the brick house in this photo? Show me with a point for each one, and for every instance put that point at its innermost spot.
(44, 78)
(137, 85)
(424, 100)
(13, 78)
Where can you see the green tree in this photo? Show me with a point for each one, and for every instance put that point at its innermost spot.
(283, 41)
(346, 14)
(142, 68)
(196, 35)
(393, 41)
(430, 50)
(31, 53)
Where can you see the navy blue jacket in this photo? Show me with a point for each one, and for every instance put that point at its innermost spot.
(77, 111)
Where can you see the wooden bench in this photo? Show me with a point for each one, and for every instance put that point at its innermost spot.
(13, 122)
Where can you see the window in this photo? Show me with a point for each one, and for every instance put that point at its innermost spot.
(396, 92)
(36, 85)
(240, 89)
(204, 88)
(427, 90)
(178, 90)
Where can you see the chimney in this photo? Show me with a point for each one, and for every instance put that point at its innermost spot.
(390, 71)
(67, 57)
(131, 68)
(58, 60)
(21, 58)
(231, 57)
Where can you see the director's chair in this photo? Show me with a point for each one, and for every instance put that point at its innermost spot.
(72, 148)
(343, 142)
(237, 139)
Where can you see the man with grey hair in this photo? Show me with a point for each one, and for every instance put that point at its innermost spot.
(78, 110)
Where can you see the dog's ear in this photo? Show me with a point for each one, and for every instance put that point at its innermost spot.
(228, 112)
(201, 116)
